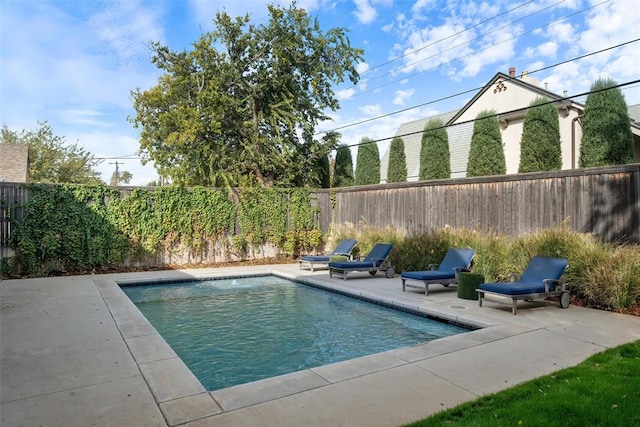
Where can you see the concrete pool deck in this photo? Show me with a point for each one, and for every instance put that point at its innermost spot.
(74, 351)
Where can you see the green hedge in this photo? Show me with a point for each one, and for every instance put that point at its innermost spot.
(79, 228)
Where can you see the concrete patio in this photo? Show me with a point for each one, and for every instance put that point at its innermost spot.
(76, 352)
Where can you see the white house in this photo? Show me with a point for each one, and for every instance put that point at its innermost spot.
(510, 96)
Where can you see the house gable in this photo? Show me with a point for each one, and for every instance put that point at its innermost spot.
(510, 97)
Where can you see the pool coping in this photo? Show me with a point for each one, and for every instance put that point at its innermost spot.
(389, 388)
(173, 384)
(175, 387)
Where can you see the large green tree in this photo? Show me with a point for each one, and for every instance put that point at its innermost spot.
(606, 131)
(435, 162)
(540, 148)
(367, 163)
(52, 159)
(343, 168)
(397, 170)
(486, 154)
(242, 105)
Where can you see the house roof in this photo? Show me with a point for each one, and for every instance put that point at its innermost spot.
(14, 162)
(634, 114)
(524, 82)
(460, 128)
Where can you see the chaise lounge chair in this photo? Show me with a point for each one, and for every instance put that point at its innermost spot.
(374, 261)
(344, 248)
(541, 279)
(455, 261)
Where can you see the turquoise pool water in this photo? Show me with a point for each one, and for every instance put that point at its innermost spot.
(234, 331)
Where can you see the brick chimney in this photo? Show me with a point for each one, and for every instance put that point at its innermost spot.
(512, 72)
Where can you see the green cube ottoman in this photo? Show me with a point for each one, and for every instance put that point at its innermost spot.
(467, 285)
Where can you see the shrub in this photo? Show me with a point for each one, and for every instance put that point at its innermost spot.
(540, 146)
(367, 163)
(435, 162)
(604, 275)
(397, 171)
(486, 155)
(606, 131)
(322, 168)
(343, 171)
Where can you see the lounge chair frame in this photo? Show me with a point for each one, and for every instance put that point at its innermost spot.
(444, 281)
(311, 261)
(559, 290)
(374, 264)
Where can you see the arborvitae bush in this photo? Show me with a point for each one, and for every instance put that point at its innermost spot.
(343, 171)
(435, 160)
(397, 171)
(606, 131)
(540, 146)
(486, 155)
(322, 168)
(367, 163)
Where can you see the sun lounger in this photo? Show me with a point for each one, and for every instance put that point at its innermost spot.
(375, 261)
(541, 279)
(344, 248)
(445, 273)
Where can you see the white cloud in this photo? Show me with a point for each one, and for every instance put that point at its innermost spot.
(84, 117)
(401, 96)
(422, 5)
(371, 109)
(365, 12)
(562, 32)
(548, 49)
(605, 26)
(497, 47)
(362, 67)
(345, 94)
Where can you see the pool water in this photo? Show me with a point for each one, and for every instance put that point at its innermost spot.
(234, 331)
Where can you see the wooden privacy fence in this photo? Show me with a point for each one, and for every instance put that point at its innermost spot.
(604, 201)
(11, 197)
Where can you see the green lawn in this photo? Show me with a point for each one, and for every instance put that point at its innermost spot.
(602, 391)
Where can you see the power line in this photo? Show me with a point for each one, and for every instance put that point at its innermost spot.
(471, 90)
(464, 56)
(621, 85)
(454, 35)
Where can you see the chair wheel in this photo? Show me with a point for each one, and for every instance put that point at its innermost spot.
(390, 272)
(565, 300)
(373, 272)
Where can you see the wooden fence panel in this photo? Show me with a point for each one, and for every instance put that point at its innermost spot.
(603, 201)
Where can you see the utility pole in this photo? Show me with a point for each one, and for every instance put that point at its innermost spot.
(117, 175)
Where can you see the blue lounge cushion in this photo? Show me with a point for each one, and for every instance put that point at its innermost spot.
(512, 288)
(428, 275)
(344, 248)
(351, 264)
(315, 258)
(375, 258)
(532, 279)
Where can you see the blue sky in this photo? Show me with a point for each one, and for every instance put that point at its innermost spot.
(74, 63)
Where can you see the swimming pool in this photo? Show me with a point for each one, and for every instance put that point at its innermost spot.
(237, 330)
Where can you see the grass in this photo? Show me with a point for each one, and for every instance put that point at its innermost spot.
(604, 391)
